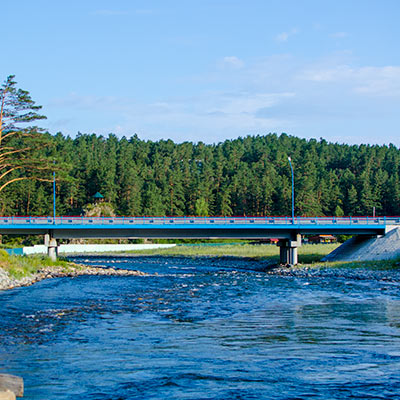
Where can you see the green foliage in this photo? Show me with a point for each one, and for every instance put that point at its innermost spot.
(23, 147)
(338, 211)
(307, 254)
(245, 176)
(378, 265)
(343, 238)
(20, 266)
(201, 207)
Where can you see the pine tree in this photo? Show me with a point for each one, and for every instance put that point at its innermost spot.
(338, 211)
(20, 145)
(153, 204)
(367, 197)
(225, 202)
(202, 207)
(306, 187)
(351, 206)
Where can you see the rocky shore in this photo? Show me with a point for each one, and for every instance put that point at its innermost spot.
(9, 282)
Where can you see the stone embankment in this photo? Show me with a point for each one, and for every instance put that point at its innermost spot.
(360, 248)
(9, 282)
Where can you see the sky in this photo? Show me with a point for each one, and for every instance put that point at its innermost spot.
(209, 70)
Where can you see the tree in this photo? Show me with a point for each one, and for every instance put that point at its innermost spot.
(338, 211)
(307, 198)
(224, 201)
(352, 201)
(367, 197)
(202, 207)
(153, 204)
(20, 145)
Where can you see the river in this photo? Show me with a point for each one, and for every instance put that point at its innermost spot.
(196, 329)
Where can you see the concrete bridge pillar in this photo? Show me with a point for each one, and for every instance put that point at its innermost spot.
(52, 249)
(288, 250)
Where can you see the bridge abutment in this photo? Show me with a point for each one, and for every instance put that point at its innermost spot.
(288, 250)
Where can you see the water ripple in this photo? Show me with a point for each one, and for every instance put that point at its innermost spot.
(205, 331)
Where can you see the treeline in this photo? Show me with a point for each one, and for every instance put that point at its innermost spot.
(245, 176)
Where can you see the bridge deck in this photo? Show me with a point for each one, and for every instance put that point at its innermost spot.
(193, 227)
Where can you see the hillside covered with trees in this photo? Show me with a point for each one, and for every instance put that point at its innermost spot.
(245, 176)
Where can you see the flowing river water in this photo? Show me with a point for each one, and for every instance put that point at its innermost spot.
(196, 329)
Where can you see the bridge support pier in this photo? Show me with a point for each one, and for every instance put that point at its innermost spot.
(288, 250)
(52, 247)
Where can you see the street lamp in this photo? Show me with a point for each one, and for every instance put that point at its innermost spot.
(54, 195)
(291, 167)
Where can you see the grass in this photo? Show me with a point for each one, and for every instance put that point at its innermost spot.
(307, 254)
(21, 266)
(310, 253)
(372, 265)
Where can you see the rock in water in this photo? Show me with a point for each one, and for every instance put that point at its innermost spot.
(8, 395)
(12, 383)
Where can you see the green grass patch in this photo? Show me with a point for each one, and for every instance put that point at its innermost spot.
(239, 250)
(21, 266)
(372, 265)
(307, 254)
(310, 253)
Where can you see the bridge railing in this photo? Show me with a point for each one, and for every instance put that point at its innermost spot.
(67, 220)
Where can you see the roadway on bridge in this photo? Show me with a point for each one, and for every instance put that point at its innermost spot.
(194, 227)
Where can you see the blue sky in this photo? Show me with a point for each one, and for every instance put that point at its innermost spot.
(209, 70)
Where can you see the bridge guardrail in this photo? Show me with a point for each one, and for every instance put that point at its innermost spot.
(67, 220)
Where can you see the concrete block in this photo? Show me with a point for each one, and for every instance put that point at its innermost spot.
(11, 383)
(7, 395)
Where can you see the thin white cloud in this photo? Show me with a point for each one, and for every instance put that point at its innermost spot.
(144, 11)
(337, 73)
(381, 81)
(75, 100)
(284, 36)
(232, 62)
(206, 117)
(245, 103)
(273, 94)
(339, 35)
(109, 13)
(378, 81)
(114, 13)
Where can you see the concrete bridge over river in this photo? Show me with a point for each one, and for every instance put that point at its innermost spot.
(287, 229)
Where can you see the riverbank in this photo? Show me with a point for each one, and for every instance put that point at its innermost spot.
(265, 264)
(308, 253)
(264, 257)
(17, 271)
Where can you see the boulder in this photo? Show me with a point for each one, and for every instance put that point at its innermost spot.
(11, 383)
(7, 395)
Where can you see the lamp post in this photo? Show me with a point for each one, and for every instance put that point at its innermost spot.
(54, 196)
(291, 168)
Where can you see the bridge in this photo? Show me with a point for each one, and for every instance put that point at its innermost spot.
(287, 229)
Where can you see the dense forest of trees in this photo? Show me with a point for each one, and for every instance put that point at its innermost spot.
(245, 176)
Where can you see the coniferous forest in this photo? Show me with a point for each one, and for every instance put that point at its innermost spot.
(244, 176)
